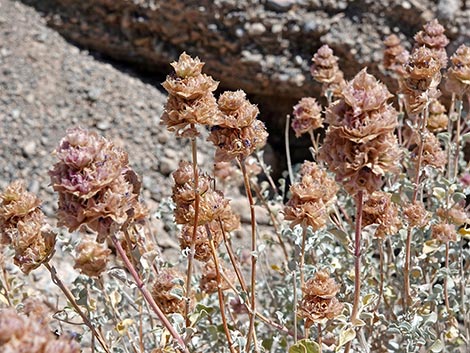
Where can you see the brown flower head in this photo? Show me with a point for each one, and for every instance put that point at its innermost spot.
(95, 184)
(239, 133)
(325, 65)
(379, 209)
(458, 75)
(230, 220)
(432, 36)
(30, 334)
(307, 116)
(360, 166)
(444, 232)
(395, 55)
(455, 215)
(319, 302)
(190, 99)
(433, 154)
(208, 282)
(202, 248)
(437, 119)
(416, 215)
(325, 70)
(237, 111)
(87, 163)
(23, 225)
(168, 291)
(91, 258)
(422, 70)
(321, 285)
(311, 198)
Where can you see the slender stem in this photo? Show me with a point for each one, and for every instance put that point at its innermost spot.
(302, 257)
(220, 292)
(457, 139)
(320, 337)
(197, 198)
(148, 297)
(294, 277)
(450, 126)
(286, 139)
(273, 220)
(233, 259)
(263, 318)
(357, 255)
(57, 281)
(357, 262)
(446, 291)
(254, 255)
(314, 143)
(406, 267)
(381, 287)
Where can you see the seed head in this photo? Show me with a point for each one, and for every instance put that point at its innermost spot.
(91, 258)
(307, 116)
(325, 70)
(96, 186)
(208, 282)
(311, 198)
(437, 119)
(239, 133)
(168, 291)
(23, 225)
(444, 232)
(202, 249)
(379, 209)
(458, 75)
(395, 55)
(416, 215)
(432, 36)
(191, 100)
(319, 302)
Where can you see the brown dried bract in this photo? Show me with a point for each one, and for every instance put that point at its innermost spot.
(307, 116)
(437, 119)
(432, 36)
(416, 215)
(191, 100)
(91, 258)
(458, 75)
(202, 248)
(395, 55)
(444, 232)
(319, 302)
(379, 209)
(168, 291)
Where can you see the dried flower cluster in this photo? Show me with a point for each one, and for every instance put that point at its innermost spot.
(395, 55)
(212, 202)
(444, 232)
(416, 214)
(420, 81)
(96, 186)
(433, 154)
(23, 226)
(91, 258)
(168, 291)
(311, 198)
(325, 70)
(190, 97)
(307, 116)
(432, 36)
(319, 302)
(379, 209)
(458, 75)
(238, 133)
(360, 146)
(437, 119)
(31, 334)
(208, 283)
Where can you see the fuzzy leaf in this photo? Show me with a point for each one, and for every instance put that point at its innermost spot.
(437, 346)
(305, 346)
(345, 336)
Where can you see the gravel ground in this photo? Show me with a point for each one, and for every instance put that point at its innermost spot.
(48, 85)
